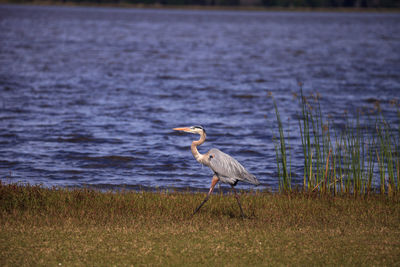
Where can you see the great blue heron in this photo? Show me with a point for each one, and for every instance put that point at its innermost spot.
(226, 169)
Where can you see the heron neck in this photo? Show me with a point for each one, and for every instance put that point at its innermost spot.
(194, 145)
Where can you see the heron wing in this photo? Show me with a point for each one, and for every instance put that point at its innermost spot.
(229, 169)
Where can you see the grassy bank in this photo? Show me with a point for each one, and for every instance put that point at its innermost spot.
(84, 227)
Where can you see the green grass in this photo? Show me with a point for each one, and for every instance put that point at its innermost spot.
(82, 227)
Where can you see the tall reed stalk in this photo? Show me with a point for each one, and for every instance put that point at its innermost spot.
(284, 173)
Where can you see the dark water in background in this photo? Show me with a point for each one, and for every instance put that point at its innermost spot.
(89, 95)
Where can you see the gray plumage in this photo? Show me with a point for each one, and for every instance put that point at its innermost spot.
(228, 169)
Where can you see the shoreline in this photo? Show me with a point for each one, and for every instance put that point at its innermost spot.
(207, 8)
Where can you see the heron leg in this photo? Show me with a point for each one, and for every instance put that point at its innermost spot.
(214, 181)
(238, 201)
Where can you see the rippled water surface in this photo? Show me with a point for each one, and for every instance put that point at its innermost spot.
(89, 96)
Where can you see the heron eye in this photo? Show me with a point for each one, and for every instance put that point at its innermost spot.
(211, 156)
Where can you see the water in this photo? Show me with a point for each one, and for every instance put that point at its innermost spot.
(89, 96)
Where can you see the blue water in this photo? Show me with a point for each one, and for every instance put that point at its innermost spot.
(89, 96)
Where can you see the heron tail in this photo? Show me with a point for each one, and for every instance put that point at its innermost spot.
(252, 179)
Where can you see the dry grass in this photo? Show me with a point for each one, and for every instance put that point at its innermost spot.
(84, 228)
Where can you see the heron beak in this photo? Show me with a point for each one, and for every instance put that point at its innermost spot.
(185, 129)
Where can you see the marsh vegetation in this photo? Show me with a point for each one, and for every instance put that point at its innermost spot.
(362, 156)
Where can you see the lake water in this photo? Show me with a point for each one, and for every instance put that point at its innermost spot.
(89, 96)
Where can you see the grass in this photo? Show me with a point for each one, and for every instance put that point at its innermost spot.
(354, 159)
(83, 227)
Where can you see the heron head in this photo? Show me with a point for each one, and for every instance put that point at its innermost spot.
(192, 129)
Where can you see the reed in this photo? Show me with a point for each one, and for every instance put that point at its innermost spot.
(284, 172)
(344, 164)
